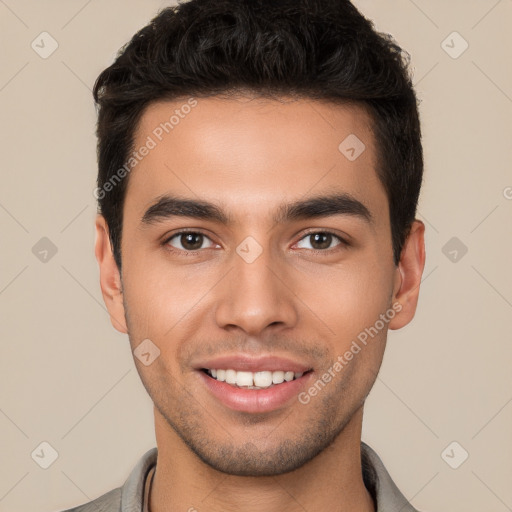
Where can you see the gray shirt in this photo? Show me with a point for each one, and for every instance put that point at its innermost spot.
(132, 495)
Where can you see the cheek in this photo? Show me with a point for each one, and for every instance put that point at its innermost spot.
(349, 298)
(161, 301)
(150, 279)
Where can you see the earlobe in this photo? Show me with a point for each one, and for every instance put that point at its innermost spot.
(110, 278)
(408, 275)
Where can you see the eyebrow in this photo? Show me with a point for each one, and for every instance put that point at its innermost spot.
(169, 206)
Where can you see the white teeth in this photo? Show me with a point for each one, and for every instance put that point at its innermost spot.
(231, 376)
(244, 379)
(277, 377)
(263, 379)
(254, 380)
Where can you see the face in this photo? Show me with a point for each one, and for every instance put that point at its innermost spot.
(252, 243)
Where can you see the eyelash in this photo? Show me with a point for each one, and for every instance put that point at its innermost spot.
(343, 243)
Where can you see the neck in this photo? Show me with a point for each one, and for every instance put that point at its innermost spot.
(331, 481)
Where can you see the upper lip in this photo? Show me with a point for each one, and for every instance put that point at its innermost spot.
(244, 362)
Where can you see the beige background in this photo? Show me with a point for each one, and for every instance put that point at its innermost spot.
(69, 379)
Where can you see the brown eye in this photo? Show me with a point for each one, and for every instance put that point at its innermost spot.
(187, 240)
(321, 241)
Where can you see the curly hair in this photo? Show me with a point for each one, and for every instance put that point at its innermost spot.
(315, 49)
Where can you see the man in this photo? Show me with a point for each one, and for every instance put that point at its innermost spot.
(260, 164)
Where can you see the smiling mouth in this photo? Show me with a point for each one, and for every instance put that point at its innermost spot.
(253, 380)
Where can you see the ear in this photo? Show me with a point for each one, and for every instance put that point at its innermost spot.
(110, 278)
(408, 275)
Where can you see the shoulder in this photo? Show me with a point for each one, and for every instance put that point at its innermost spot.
(129, 496)
(108, 502)
(377, 479)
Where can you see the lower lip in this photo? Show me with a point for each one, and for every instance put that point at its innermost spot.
(255, 400)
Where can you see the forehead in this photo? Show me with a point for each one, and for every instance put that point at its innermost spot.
(252, 153)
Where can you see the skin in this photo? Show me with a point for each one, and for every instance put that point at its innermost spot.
(249, 156)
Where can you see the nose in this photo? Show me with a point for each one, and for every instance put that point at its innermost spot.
(256, 295)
